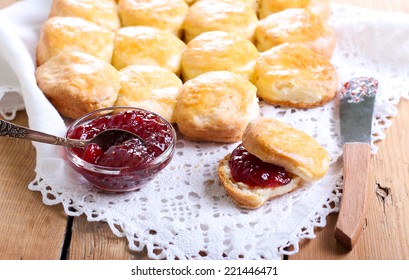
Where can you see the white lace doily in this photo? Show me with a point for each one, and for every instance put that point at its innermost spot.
(185, 213)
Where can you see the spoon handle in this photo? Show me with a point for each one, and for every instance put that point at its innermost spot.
(8, 129)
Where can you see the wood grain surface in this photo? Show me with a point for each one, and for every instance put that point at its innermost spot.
(29, 229)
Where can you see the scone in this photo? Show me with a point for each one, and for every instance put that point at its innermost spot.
(273, 159)
(295, 76)
(166, 15)
(295, 25)
(62, 34)
(147, 46)
(220, 15)
(252, 3)
(78, 83)
(149, 87)
(218, 50)
(103, 13)
(216, 106)
(321, 8)
(278, 143)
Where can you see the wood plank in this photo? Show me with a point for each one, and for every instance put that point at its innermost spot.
(95, 241)
(28, 228)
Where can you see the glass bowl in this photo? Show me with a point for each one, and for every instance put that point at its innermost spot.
(122, 168)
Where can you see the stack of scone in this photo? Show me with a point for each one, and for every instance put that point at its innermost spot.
(201, 64)
(96, 54)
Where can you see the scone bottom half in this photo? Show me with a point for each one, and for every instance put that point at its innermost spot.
(263, 168)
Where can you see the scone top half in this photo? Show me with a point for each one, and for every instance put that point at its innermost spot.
(278, 143)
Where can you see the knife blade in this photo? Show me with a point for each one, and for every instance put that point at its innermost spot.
(357, 100)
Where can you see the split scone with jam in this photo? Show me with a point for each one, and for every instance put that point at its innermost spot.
(273, 159)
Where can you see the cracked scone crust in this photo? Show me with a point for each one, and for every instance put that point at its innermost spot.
(103, 12)
(216, 106)
(149, 87)
(78, 83)
(167, 15)
(295, 25)
(320, 8)
(147, 46)
(64, 34)
(216, 51)
(293, 75)
(235, 17)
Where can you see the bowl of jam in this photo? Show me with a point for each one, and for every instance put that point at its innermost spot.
(124, 166)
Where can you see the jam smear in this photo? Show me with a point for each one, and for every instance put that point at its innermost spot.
(132, 153)
(252, 171)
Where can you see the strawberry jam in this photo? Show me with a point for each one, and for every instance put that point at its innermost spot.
(127, 164)
(252, 171)
(132, 153)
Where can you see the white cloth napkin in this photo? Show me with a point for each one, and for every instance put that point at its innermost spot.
(185, 213)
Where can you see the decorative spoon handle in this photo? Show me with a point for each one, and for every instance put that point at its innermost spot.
(8, 129)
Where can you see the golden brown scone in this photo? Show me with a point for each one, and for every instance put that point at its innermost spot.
(218, 50)
(216, 106)
(147, 46)
(222, 15)
(253, 3)
(149, 87)
(77, 83)
(251, 197)
(166, 15)
(62, 34)
(321, 8)
(103, 13)
(295, 25)
(295, 76)
(278, 143)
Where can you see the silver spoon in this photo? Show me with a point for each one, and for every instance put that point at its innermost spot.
(105, 139)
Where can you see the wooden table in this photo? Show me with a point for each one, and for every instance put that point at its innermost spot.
(31, 230)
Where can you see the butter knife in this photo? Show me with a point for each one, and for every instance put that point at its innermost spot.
(357, 100)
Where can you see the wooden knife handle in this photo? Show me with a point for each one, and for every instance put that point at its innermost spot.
(351, 216)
